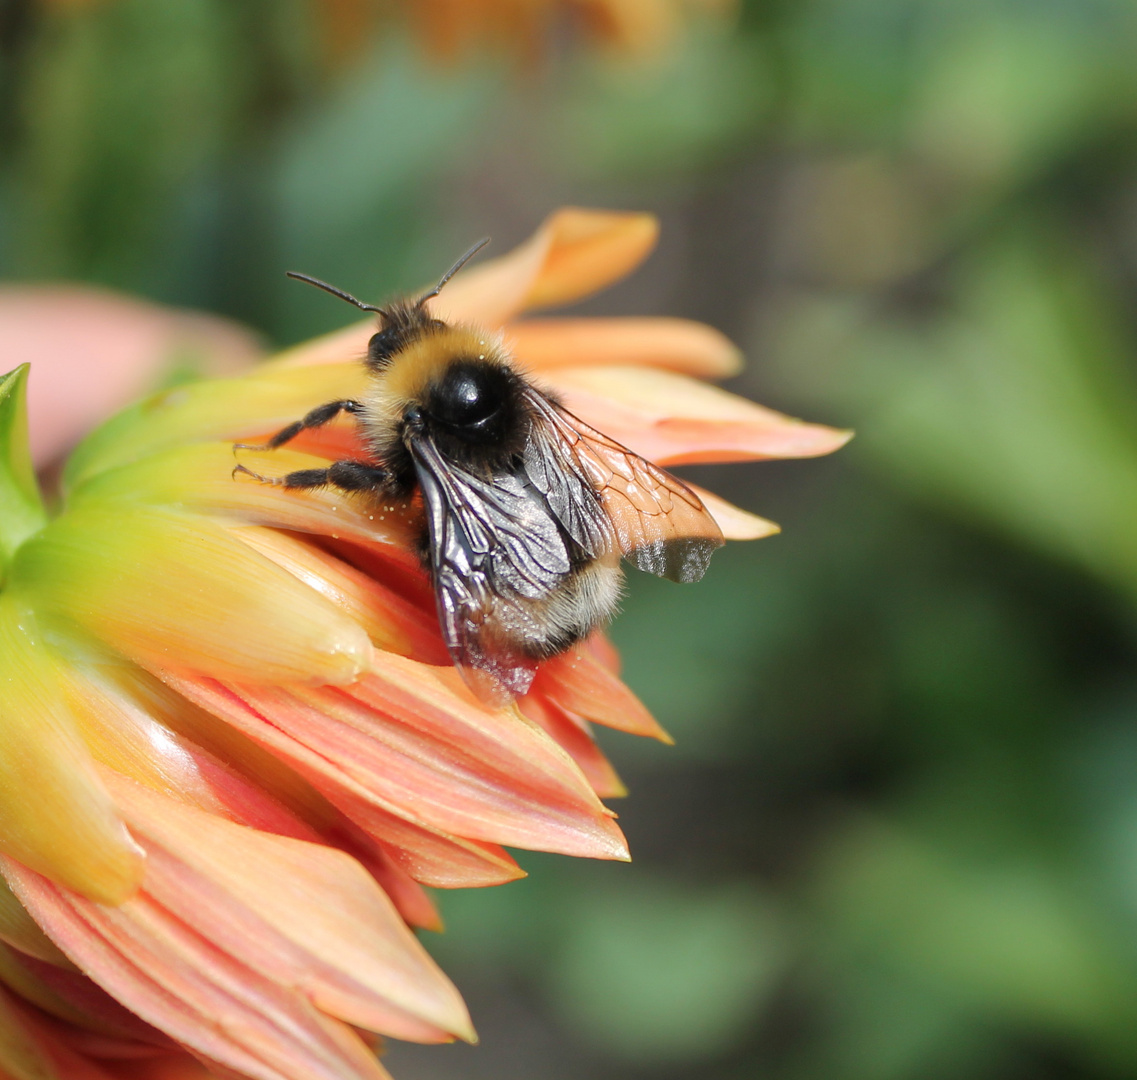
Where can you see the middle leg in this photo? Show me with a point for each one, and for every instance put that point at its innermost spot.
(347, 475)
(318, 417)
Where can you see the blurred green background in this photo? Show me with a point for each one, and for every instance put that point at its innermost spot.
(897, 839)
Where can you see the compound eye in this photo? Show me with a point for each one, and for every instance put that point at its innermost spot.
(467, 399)
(384, 345)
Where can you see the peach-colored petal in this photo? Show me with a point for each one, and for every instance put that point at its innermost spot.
(430, 755)
(291, 922)
(736, 523)
(92, 351)
(574, 253)
(574, 735)
(427, 855)
(681, 345)
(409, 897)
(315, 919)
(672, 419)
(577, 683)
(223, 1010)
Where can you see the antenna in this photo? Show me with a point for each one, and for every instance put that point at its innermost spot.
(452, 271)
(340, 293)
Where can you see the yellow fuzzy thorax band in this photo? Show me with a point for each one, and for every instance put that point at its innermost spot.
(414, 368)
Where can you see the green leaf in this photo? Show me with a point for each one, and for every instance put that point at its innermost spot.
(21, 507)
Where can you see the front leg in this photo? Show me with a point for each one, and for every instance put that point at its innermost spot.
(347, 475)
(318, 417)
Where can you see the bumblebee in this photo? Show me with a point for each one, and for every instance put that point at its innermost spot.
(526, 510)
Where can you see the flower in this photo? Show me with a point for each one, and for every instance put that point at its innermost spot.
(234, 749)
(450, 27)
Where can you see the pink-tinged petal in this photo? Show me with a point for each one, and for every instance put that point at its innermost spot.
(305, 915)
(523, 775)
(173, 977)
(427, 855)
(306, 918)
(690, 348)
(575, 737)
(672, 419)
(393, 624)
(70, 829)
(574, 253)
(409, 897)
(736, 523)
(92, 351)
(578, 684)
(599, 646)
(430, 756)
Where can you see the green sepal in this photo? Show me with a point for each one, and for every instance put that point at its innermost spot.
(22, 512)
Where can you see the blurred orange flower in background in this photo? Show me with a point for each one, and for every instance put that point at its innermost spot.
(451, 28)
(234, 748)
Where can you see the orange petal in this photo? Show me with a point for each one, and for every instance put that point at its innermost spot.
(427, 855)
(330, 931)
(574, 253)
(574, 736)
(409, 897)
(576, 682)
(432, 757)
(672, 419)
(681, 345)
(222, 1009)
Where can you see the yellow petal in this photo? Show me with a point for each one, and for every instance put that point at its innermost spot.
(226, 409)
(681, 345)
(173, 591)
(200, 478)
(736, 523)
(55, 815)
(574, 253)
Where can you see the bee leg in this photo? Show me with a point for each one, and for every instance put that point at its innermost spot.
(358, 476)
(347, 475)
(318, 417)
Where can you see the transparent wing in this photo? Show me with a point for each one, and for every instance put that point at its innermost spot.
(496, 555)
(609, 498)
